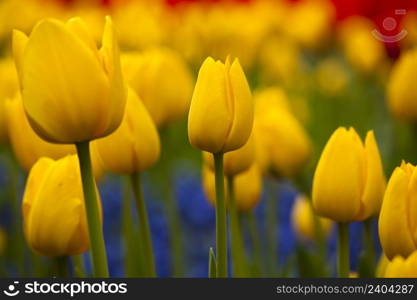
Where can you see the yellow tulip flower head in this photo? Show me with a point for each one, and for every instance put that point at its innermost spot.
(402, 268)
(362, 49)
(134, 146)
(402, 91)
(282, 144)
(9, 86)
(349, 182)
(54, 215)
(28, 147)
(247, 187)
(302, 218)
(162, 80)
(221, 113)
(398, 220)
(72, 92)
(381, 266)
(235, 162)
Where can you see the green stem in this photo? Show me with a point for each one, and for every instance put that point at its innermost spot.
(272, 228)
(95, 230)
(221, 226)
(343, 250)
(61, 266)
(256, 243)
(144, 230)
(239, 265)
(134, 266)
(369, 244)
(78, 265)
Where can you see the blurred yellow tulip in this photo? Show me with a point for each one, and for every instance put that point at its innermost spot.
(28, 147)
(364, 51)
(302, 219)
(402, 91)
(162, 80)
(310, 22)
(221, 112)
(134, 146)
(282, 145)
(54, 215)
(381, 266)
(398, 219)
(332, 77)
(234, 162)
(9, 86)
(72, 92)
(399, 267)
(247, 187)
(349, 182)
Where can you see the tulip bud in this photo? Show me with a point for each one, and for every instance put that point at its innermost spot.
(9, 86)
(163, 81)
(72, 92)
(247, 187)
(362, 49)
(282, 145)
(54, 215)
(402, 91)
(221, 112)
(28, 147)
(349, 182)
(234, 162)
(402, 268)
(398, 219)
(137, 141)
(302, 218)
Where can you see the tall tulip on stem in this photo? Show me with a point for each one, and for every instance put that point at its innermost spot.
(220, 120)
(73, 93)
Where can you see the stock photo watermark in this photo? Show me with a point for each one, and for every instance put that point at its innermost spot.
(390, 24)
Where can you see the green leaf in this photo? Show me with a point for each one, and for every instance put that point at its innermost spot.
(212, 264)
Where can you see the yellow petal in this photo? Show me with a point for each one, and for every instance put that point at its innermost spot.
(247, 187)
(210, 118)
(20, 41)
(242, 106)
(394, 230)
(395, 268)
(375, 180)
(65, 90)
(337, 185)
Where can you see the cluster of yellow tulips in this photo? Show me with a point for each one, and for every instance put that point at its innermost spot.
(74, 106)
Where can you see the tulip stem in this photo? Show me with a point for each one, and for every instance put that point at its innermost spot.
(144, 230)
(271, 208)
(95, 230)
(236, 246)
(78, 265)
(221, 226)
(61, 266)
(256, 243)
(343, 250)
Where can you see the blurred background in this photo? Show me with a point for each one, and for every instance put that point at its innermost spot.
(332, 60)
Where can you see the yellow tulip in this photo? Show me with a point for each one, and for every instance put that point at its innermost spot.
(381, 266)
(134, 146)
(282, 144)
(247, 187)
(162, 80)
(54, 215)
(28, 147)
(234, 162)
(72, 92)
(403, 268)
(398, 219)
(402, 91)
(9, 86)
(310, 23)
(221, 113)
(302, 218)
(349, 182)
(332, 77)
(362, 49)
